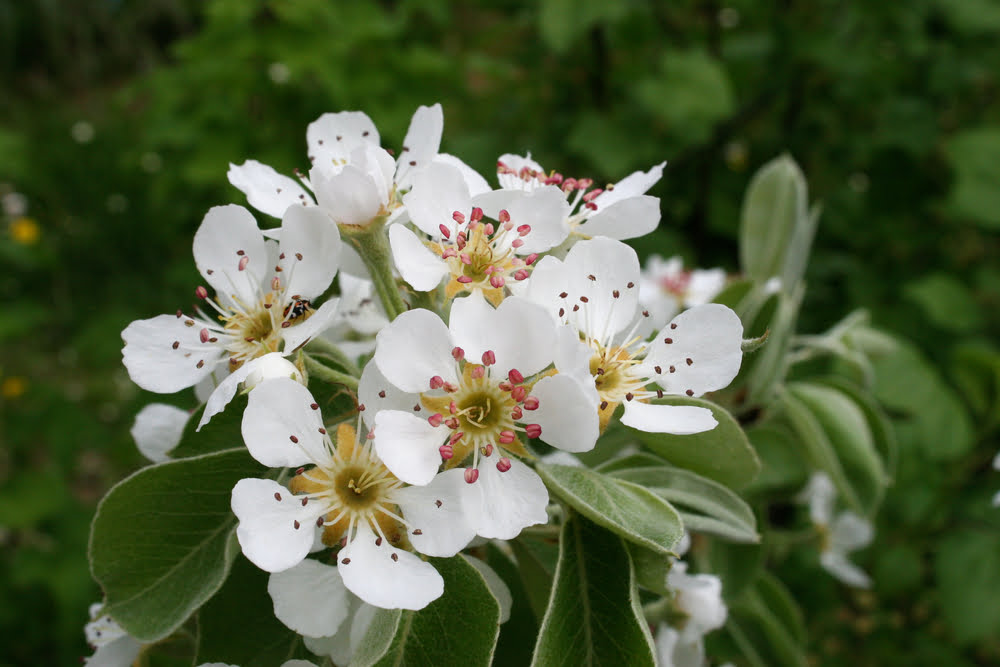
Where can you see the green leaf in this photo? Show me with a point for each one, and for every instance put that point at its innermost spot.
(846, 426)
(878, 422)
(512, 649)
(974, 195)
(379, 638)
(561, 22)
(222, 433)
(690, 94)
(968, 574)
(162, 540)
(723, 454)
(738, 565)
(460, 628)
(631, 511)
(775, 204)
(780, 453)
(947, 303)
(536, 560)
(593, 616)
(238, 625)
(976, 369)
(651, 568)
(637, 460)
(705, 506)
(768, 625)
(817, 446)
(935, 419)
(769, 367)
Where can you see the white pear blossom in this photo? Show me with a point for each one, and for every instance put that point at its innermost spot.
(157, 429)
(352, 179)
(347, 493)
(620, 211)
(665, 288)
(113, 647)
(699, 608)
(593, 294)
(840, 534)
(461, 394)
(459, 244)
(262, 304)
(311, 599)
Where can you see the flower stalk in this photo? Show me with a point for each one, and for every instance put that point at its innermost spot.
(372, 244)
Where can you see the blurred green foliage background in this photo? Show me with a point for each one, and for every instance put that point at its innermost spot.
(118, 119)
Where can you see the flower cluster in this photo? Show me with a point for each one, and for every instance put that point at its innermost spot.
(481, 328)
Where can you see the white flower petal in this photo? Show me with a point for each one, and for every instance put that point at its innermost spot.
(626, 219)
(836, 563)
(376, 393)
(158, 429)
(595, 270)
(700, 597)
(266, 190)
(310, 247)
(572, 358)
(518, 332)
(820, 494)
(676, 419)
(408, 445)
(119, 653)
(500, 504)
(438, 191)
(340, 647)
(164, 354)
(436, 511)
(705, 285)
(271, 365)
(566, 412)
(423, 138)
(850, 532)
(280, 427)
(634, 184)
(350, 196)
(511, 181)
(386, 576)
(418, 266)
(474, 182)
(545, 210)
(415, 347)
(333, 136)
(309, 598)
(301, 332)
(703, 346)
(267, 530)
(227, 239)
(496, 585)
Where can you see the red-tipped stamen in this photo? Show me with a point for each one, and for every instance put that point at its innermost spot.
(471, 475)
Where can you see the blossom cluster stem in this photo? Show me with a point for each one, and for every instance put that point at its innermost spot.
(327, 374)
(372, 243)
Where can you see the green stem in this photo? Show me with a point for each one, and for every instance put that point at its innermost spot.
(327, 374)
(372, 243)
(334, 353)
